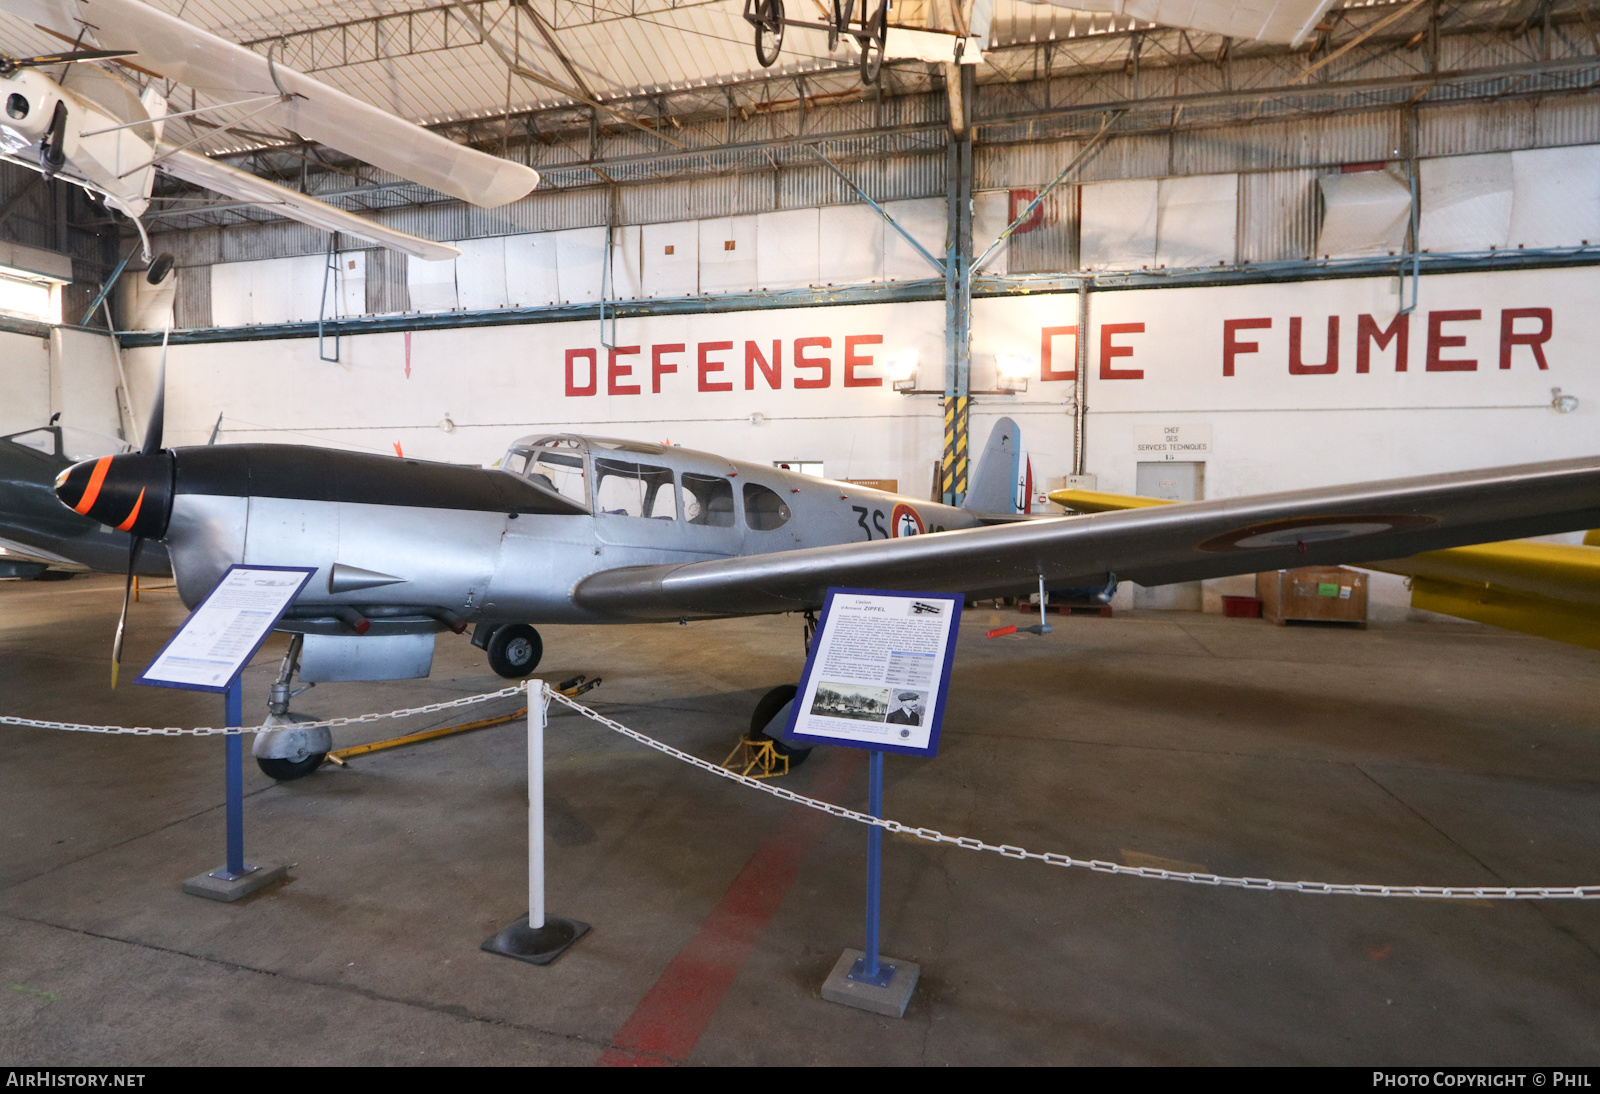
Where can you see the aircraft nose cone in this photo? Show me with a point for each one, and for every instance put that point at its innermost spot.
(130, 492)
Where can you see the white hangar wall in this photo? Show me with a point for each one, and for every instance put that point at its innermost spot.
(1300, 384)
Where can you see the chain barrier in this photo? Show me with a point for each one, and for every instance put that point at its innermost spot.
(206, 731)
(968, 843)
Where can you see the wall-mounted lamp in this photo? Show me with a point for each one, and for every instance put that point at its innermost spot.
(1012, 371)
(901, 369)
(1562, 404)
(446, 425)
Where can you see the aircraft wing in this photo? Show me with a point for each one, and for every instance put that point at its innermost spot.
(1548, 589)
(1152, 546)
(1284, 21)
(235, 183)
(189, 55)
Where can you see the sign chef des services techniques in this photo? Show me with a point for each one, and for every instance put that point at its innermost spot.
(1172, 443)
(878, 671)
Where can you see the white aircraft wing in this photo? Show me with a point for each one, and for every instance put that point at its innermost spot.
(1154, 546)
(1285, 21)
(202, 60)
(296, 206)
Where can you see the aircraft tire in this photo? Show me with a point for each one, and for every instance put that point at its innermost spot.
(766, 710)
(160, 268)
(289, 770)
(515, 650)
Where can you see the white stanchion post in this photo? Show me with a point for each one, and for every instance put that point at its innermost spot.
(536, 937)
(538, 715)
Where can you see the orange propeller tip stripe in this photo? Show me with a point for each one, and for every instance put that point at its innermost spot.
(91, 493)
(133, 515)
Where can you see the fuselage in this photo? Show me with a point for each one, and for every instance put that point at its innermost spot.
(408, 544)
(97, 151)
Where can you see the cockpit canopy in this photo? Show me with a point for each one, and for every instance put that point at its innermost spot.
(648, 481)
(69, 442)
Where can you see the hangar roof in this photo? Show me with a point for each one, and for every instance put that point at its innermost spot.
(435, 62)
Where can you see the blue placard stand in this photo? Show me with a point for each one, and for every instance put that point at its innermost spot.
(867, 970)
(260, 595)
(918, 642)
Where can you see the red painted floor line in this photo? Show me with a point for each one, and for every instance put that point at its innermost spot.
(668, 1022)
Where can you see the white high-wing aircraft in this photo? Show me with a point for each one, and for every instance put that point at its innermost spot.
(91, 128)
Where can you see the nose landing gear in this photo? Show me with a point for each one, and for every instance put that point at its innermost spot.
(289, 753)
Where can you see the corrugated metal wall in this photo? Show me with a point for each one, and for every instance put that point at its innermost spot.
(192, 308)
(386, 287)
(1277, 159)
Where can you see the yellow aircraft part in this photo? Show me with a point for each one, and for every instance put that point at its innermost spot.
(1096, 501)
(1564, 621)
(1547, 589)
(1556, 572)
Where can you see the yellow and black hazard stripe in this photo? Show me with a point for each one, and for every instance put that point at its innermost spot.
(955, 448)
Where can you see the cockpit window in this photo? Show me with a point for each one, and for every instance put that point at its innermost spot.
(764, 510)
(76, 444)
(86, 444)
(630, 489)
(556, 463)
(40, 440)
(707, 499)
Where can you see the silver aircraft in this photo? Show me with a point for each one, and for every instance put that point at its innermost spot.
(573, 529)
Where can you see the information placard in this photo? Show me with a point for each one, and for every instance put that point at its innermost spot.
(878, 671)
(225, 631)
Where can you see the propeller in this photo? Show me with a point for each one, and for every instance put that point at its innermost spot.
(151, 446)
(9, 65)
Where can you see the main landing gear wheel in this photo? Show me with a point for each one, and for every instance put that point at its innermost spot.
(766, 712)
(515, 650)
(284, 770)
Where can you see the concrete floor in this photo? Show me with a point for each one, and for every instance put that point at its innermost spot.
(1408, 754)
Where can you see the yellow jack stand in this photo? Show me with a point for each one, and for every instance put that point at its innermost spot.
(759, 757)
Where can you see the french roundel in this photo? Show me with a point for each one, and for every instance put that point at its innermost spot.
(904, 521)
(1300, 531)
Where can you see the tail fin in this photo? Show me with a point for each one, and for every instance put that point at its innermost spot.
(1003, 481)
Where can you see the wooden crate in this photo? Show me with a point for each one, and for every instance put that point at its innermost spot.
(1304, 594)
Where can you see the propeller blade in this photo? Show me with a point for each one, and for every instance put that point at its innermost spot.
(70, 56)
(10, 65)
(127, 597)
(158, 407)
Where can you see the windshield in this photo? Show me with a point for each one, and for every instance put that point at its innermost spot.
(555, 463)
(69, 441)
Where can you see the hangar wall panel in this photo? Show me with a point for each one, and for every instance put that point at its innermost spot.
(850, 245)
(788, 253)
(671, 257)
(1118, 231)
(1196, 221)
(25, 379)
(481, 274)
(1465, 203)
(531, 278)
(728, 254)
(924, 221)
(83, 381)
(580, 258)
(1555, 197)
(193, 306)
(432, 285)
(1279, 221)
